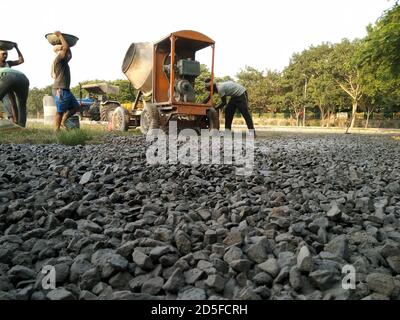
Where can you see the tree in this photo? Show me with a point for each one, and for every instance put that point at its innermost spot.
(294, 104)
(255, 83)
(273, 84)
(199, 87)
(297, 76)
(294, 84)
(76, 89)
(323, 96)
(35, 100)
(373, 89)
(379, 59)
(126, 92)
(382, 43)
(322, 89)
(346, 72)
(264, 89)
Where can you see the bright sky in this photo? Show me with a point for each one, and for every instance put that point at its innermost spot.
(259, 33)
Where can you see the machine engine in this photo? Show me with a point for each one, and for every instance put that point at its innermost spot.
(186, 71)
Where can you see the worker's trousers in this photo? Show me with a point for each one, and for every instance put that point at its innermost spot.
(18, 84)
(240, 103)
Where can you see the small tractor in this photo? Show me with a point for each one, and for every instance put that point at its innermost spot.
(96, 105)
(164, 74)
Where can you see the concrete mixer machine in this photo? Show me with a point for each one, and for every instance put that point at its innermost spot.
(164, 74)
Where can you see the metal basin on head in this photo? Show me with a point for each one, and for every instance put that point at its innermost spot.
(54, 40)
(6, 45)
(138, 66)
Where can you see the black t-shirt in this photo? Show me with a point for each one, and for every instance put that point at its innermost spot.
(62, 75)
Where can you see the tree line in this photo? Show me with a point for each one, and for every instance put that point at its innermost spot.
(35, 98)
(351, 76)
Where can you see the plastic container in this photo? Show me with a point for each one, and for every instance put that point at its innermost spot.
(49, 110)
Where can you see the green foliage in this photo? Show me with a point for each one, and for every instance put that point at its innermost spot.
(379, 59)
(35, 100)
(345, 71)
(254, 82)
(381, 47)
(33, 134)
(201, 92)
(263, 88)
(36, 133)
(73, 137)
(126, 92)
(76, 89)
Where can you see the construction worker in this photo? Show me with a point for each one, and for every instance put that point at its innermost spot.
(9, 100)
(238, 100)
(66, 103)
(14, 82)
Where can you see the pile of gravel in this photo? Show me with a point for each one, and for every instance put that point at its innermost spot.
(114, 227)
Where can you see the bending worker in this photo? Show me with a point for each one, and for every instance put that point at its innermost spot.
(9, 99)
(238, 100)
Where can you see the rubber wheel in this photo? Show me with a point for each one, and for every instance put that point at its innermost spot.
(149, 118)
(120, 119)
(105, 111)
(213, 119)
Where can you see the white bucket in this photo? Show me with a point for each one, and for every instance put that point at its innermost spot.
(49, 110)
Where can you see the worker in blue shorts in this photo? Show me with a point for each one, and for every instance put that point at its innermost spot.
(66, 103)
